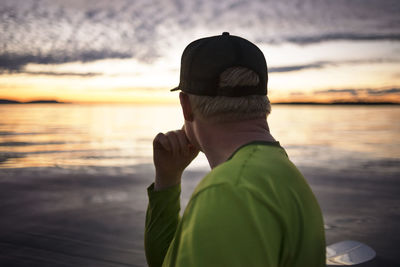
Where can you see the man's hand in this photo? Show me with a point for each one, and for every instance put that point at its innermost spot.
(172, 153)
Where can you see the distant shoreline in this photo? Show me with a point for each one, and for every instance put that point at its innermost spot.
(8, 101)
(337, 103)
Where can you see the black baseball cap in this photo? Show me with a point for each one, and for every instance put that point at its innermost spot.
(205, 59)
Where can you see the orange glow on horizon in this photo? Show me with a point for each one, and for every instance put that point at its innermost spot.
(175, 99)
(316, 72)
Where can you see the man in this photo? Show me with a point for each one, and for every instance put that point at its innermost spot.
(253, 208)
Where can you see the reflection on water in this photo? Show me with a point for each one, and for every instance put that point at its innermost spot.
(338, 135)
(121, 135)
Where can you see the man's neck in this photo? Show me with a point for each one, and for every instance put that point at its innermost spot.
(220, 141)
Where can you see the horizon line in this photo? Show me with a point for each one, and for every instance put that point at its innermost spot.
(332, 102)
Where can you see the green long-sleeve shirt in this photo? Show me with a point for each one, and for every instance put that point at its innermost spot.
(255, 209)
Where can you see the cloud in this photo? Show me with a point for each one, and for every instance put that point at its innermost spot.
(60, 31)
(324, 64)
(357, 92)
(353, 92)
(51, 73)
(383, 91)
(10, 63)
(296, 67)
(44, 33)
(297, 94)
(303, 40)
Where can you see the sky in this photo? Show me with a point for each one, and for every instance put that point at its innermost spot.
(126, 51)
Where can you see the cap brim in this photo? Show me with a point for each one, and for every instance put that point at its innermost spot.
(174, 89)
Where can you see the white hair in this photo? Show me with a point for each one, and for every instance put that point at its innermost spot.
(224, 108)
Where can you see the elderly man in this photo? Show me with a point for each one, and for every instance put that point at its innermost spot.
(254, 208)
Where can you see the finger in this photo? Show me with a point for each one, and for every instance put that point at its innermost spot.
(161, 142)
(165, 143)
(173, 140)
(183, 142)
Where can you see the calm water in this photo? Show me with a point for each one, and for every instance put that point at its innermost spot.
(82, 136)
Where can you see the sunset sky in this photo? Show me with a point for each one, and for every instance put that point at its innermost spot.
(129, 50)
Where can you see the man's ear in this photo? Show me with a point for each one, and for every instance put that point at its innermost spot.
(186, 106)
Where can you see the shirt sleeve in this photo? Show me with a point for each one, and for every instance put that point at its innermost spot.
(162, 218)
(225, 226)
